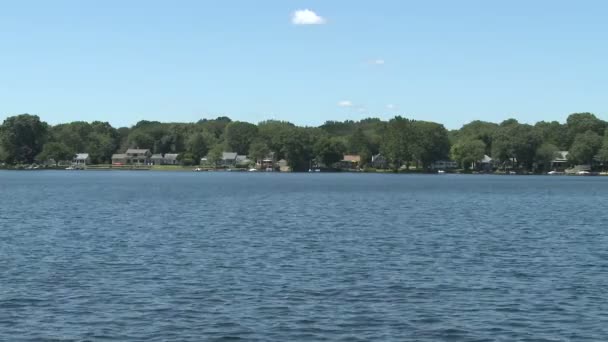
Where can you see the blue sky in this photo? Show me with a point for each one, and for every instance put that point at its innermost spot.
(445, 61)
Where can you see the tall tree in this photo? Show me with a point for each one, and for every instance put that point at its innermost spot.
(584, 148)
(56, 151)
(239, 136)
(198, 146)
(545, 154)
(468, 151)
(579, 123)
(432, 142)
(23, 137)
(398, 142)
(329, 151)
(258, 150)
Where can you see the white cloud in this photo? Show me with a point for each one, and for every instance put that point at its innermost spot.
(391, 106)
(345, 103)
(378, 61)
(307, 17)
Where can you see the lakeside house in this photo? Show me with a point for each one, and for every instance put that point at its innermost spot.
(379, 161)
(444, 165)
(267, 163)
(136, 156)
(242, 161)
(166, 159)
(350, 161)
(283, 166)
(81, 159)
(228, 159)
(119, 159)
(132, 156)
(560, 162)
(486, 164)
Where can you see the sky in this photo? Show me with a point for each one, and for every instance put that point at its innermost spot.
(303, 61)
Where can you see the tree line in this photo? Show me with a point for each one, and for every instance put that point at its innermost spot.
(25, 139)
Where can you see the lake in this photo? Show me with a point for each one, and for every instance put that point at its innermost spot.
(161, 256)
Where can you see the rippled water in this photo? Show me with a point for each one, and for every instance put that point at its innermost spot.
(144, 256)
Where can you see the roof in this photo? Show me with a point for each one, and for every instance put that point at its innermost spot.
(486, 159)
(137, 150)
(81, 156)
(171, 156)
(561, 156)
(157, 156)
(352, 158)
(119, 156)
(229, 155)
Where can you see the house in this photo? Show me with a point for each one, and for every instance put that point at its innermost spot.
(350, 161)
(166, 159)
(119, 159)
(283, 166)
(136, 156)
(266, 163)
(486, 164)
(444, 165)
(379, 161)
(171, 159)
(157, 159)
(228, 159)
(560, 162)
(242, 160)
(81, 159)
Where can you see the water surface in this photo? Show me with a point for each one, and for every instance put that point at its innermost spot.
(153, 256)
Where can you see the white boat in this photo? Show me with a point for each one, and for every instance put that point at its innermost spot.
(70, 168)
(555, 173)
(440, 172)
(253, 170)
(583, 173)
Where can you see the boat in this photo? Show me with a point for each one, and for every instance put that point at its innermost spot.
(440, 172)
(555, 173)
(70, 168)
(253, 170)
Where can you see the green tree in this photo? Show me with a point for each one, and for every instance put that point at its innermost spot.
(198, 146)
(239, 136)
(398, 142)
(258, 150)
(579, 123)
(55, 150)
(478, 130)
(141, 139)
(215, 154)
(545, 154)
(298, 149)
(603, 152)
(329, 151)
(516, 143)
(468, 151)
(432, 142)
(584, 148)
(23, 137)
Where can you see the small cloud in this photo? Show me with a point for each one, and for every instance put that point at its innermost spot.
(307, 17)
(378, 61)
(345, 103)
(391, 106)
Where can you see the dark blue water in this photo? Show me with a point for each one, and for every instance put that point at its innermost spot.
(143, 256)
